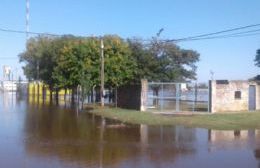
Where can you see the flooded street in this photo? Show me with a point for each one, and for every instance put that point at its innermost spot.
(36, 134)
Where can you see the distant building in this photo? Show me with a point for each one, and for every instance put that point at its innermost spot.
(6, 72)
(184, 86)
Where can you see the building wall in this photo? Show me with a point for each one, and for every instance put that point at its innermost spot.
(223, 96)
(129, 97)
(221, 99)
(258, 96)
(43, 89)
(144, 94)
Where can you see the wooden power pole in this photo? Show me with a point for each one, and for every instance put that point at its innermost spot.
(102, 75)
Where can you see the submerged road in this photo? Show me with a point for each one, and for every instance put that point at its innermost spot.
(34, 134)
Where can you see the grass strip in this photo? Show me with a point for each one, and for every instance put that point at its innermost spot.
(222, 121)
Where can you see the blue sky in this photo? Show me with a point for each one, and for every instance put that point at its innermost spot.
(229, 58)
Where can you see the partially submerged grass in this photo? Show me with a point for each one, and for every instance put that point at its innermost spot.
(232, 121)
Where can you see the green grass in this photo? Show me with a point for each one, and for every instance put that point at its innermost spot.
(233, 121)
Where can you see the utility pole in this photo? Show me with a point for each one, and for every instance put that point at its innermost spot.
(27, 18)
(37, 70)
(37, 76)
(102, 75)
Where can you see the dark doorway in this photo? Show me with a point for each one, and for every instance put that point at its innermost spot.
(252, 97)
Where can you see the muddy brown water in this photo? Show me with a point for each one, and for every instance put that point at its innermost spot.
(34, 134)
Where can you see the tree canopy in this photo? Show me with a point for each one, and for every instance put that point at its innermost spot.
(257, 58)
(69, 61)
(164, 62)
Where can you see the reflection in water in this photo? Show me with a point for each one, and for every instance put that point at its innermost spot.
(257, 156)
(238, 137)
(9, 100)
(41, 134)
(52, 131)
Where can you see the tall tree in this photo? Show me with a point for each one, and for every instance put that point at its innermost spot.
(119, 64)
(165, 62)
(147, 64)
(40, 58)
(35, 55)
(77, 64)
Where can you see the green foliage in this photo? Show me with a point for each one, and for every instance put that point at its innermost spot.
(69, 61)
(165, 62)
(39, 58)
(257, 63)
(257, 58)
(119, 65)
(257, 78)
(147, 64)
(77, 63)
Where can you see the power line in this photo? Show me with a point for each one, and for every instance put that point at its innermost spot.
(223, 36)
(209, 35)
(240, 34)
(191, 38)
(250, 31)
(25, 32)
(214, 33)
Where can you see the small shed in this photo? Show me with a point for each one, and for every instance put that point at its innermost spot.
(235, 95)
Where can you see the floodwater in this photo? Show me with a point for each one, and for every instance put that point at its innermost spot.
(34, 134)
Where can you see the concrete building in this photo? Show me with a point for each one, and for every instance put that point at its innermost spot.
(228, 96)
(221, 96)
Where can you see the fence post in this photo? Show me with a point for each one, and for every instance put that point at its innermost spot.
(161, 98)
(194, 97)
(177, 86)
(210, 96)
(144, 92)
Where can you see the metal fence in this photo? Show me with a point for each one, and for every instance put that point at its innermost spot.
(176, 97)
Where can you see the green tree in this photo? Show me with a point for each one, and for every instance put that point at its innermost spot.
(146, 64)
(119, 64)
(69, 62)
(165, 62)
(257, 58)
(74, 65)
(34, 56)
(40, 58)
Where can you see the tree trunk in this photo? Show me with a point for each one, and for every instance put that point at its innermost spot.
(116, 97)
(43, 93)
(97, 95)
(110, 96)
(92, 95)
(89, 98)
(65, 95)
(73, 95)
(78, 97)
(82, 96)
(57, 96)
(38, 92)
(51, 95)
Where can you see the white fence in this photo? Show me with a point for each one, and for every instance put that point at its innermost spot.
(177, 97)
